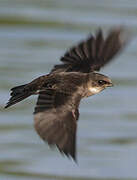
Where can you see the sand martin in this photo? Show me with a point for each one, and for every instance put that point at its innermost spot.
(59, 93)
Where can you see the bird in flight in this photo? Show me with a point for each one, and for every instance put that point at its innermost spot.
(59, 93)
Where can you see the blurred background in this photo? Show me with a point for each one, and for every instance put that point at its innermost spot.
(33, 36)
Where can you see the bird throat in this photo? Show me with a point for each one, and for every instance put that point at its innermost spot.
(93, 90)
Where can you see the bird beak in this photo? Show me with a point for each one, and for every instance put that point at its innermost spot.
(110, 85)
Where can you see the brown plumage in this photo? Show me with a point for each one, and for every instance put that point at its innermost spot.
(56, 112)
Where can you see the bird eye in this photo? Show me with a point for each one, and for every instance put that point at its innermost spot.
(102, 82)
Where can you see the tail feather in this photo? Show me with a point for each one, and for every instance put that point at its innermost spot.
(18, 94)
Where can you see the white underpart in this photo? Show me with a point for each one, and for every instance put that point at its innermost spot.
(94, 90)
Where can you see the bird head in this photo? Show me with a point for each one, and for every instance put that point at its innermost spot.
(98, 82)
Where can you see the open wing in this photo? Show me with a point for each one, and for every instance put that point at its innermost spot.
(93, 53)
(56, 121)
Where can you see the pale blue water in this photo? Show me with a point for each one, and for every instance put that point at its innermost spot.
(33, 36)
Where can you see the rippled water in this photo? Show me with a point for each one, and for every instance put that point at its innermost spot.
(33, 36)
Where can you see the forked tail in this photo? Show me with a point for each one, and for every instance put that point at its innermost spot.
(18, 94)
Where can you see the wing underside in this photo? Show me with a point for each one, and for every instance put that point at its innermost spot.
(56, 123)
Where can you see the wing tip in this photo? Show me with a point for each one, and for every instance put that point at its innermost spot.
(122, 32)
